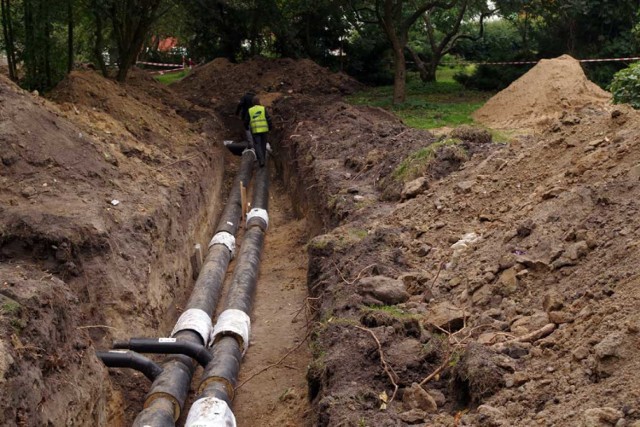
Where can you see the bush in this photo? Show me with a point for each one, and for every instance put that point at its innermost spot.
(491, 77)
(625, 86)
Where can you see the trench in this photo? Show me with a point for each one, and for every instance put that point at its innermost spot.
(272, 384)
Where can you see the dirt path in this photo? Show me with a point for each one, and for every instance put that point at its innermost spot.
(278, 396)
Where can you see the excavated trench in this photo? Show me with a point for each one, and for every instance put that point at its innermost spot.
(272, 385)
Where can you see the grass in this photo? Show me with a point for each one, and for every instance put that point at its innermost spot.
(168, 78)
(428, 105)
(417, 162)
(391, 310)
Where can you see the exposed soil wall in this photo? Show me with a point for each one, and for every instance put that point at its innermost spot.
(103, 199)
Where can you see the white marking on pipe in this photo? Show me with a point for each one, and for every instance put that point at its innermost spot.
(233, 322)
(210, 412)
(196, 320)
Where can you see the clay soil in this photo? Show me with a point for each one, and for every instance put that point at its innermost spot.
(395, 315)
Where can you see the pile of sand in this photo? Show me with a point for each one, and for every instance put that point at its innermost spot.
(548, 90)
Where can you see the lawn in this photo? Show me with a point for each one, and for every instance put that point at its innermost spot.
(171, 77)
(428, 105)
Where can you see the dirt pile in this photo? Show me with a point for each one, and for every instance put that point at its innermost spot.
(221, 81)
(553, 89)
(95, 192)
(506, 286)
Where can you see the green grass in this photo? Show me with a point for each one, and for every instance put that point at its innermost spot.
(168, 78)
(389, 309)
(417, 162)
(428, 105)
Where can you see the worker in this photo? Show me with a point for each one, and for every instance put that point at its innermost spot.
(242, 110)
(259, 122)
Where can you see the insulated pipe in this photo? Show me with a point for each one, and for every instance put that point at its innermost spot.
(168, 393)
(166, 346)
(130, 359)
(230, 335)
(237, 147)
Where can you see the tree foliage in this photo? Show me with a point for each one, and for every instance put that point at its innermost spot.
(625, 86)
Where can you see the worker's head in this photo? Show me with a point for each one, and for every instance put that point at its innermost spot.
(255, 101)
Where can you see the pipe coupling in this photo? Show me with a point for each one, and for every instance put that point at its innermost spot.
(233, 322)
(259, 217)
(210, 412)
(196, 320)
(224, 238)
(250, 150)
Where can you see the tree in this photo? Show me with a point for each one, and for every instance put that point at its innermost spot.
(395, 18)
(131, 20)
(7, 27)
(445, 27)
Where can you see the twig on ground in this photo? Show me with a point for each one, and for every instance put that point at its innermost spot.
(433, 282)
(530, 337)
(192, 157)
(436, 372)
(273, 365)
(96, 326)
(389, 371)
(357, 277)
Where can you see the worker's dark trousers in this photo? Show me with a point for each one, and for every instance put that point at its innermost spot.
(260, 142)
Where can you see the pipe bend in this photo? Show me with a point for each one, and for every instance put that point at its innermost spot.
(197, 352)
(132, 360)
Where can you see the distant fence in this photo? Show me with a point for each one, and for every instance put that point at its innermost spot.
(173, 67)
(630, 59)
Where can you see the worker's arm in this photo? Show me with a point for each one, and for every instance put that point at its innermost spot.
(269, 122)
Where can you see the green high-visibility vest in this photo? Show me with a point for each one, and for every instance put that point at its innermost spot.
(258, 122)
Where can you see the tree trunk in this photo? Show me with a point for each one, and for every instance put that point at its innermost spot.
(400, 74)
(70, 54)
(98, 46)
(29, 44)
(427, 70)
(8, 38)
(44, 11)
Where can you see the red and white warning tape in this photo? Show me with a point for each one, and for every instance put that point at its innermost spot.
(167, 71)
(535, 62)
(159, 64)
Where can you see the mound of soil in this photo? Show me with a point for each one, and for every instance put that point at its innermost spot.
(551, 89)
(221, 81)
(102, 198)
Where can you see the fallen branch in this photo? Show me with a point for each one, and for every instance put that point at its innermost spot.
(357, 277)
(530, 337)
(389, 371)
(96, 326)
(436, 372)
(273, 365)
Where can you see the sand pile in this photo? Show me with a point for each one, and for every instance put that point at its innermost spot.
(552, 88)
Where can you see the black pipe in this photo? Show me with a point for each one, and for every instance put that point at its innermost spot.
(237, 148)
(229, 221)
(157, 413)
(163, 346)
(221, 375)
(172, 386)
(220, 378)
(130, 359)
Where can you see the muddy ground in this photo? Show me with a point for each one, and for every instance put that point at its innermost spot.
(452, 280)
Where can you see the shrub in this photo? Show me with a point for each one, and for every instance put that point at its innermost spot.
(625, 86)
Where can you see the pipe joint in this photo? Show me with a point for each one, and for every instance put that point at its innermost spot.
(195, 320)
(167, 346)
(210, 412)
(259, 217)
(224, 238)
(250, 150)
(236, 323)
